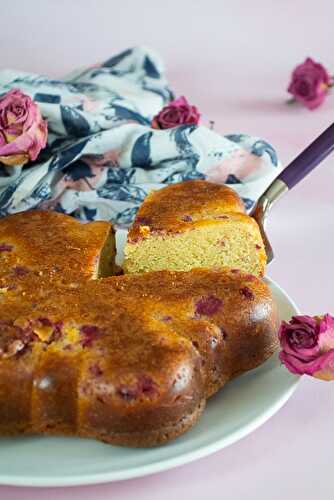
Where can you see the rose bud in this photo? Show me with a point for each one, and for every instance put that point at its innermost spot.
(178, 112)
(308, 346)
(23, 132)
(309, 83)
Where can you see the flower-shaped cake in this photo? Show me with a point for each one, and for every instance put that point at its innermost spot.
(129, 360)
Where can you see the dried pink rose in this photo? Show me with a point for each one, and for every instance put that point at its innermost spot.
(309, 83)
(308, 346)
(177, 112)
(23, 132)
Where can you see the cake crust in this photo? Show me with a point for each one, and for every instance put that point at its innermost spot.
(173, 208)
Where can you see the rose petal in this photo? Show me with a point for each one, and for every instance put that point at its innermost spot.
(325, 367)
(294, 365)
(326, 333)
(31, 142)
(2, 139)
(305, 319)
(321, 367)
(180, 101)
(14, 160)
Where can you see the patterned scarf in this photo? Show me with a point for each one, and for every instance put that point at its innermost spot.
(103, 157)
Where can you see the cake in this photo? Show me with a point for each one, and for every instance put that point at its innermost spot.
(128, 360)
(194, 224)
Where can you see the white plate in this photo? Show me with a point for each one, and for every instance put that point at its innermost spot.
(242, 406)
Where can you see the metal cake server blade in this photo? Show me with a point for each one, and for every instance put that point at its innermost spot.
(310, 158)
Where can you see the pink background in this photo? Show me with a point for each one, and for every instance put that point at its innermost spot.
(233, 60)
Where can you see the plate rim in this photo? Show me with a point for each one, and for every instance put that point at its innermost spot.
(167, 463)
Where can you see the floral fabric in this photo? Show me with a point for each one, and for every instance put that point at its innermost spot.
(103, 157)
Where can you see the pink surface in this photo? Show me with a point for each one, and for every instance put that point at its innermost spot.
(233, 60)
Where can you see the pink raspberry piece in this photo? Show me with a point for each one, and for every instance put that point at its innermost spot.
(89, 334)
(208, 306)
(4, 247)
(247, 293)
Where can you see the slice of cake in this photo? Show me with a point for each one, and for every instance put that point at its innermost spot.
(194, 224)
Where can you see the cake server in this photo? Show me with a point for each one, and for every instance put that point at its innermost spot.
(310, 158)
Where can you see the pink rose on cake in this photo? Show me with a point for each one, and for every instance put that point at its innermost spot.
(23, 132)
(309, 83)
(177, 112)
(308, 345)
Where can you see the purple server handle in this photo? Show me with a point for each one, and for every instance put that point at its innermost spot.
(309, 158)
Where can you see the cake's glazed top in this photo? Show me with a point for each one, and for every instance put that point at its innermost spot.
(178, 206)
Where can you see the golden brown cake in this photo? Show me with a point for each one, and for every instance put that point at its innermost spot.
(194, 224)
(129, 360)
